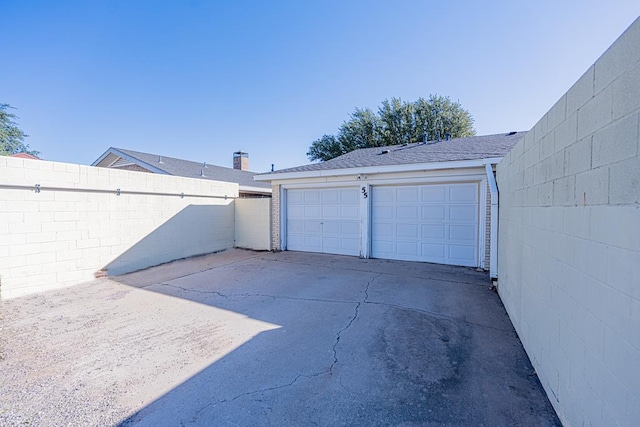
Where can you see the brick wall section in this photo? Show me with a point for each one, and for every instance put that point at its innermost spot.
(58, 238)
(569, 244)
(275, 218)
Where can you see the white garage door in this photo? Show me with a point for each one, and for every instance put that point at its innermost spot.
(431, 223)
(324, 220)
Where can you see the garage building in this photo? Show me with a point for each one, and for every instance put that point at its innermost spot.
(429, 202)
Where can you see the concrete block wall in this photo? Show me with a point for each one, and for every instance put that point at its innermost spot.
(569, 242)
(63, 236)
(253, 223)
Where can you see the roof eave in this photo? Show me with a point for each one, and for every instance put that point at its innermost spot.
(456, 164)
(131, 159)
(250, 189)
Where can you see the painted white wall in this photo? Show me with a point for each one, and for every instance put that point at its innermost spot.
(569, 242)
(253, 223)
(56, 238)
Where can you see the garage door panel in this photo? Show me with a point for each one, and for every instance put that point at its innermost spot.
(296, 240)
(383, 247)
(384, 195)
(330, 211)
(434, 213)
(463, 255)
(323, 220)
(331, 244)
(296, 226)
(295, 211)
(432, 232)
(385, 212)
(295, 197)
(408, 194)
(312, 226)
(312, 241)
(330, 227)
(313, 211)
(352, 212)
(434, 194)
(465, 213)
(351, 229)
(350, 195)
(407, 249)
(407, 213)
(463, 193)
(433, 251)
(407, 231)
(311, 197)
(462, 232)
(383, 230)
(331, 196)
(348, 246)
(432, 223)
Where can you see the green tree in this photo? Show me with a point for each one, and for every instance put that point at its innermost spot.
(363, 130)
(11, 136)
(396, 122)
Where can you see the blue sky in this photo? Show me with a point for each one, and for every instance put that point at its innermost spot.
(202, 79)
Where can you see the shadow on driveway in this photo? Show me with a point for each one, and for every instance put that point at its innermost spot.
(354, 342)
(249, 338)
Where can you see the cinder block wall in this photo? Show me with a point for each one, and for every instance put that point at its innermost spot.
(569, 242)
(60, 237)
(253, 223)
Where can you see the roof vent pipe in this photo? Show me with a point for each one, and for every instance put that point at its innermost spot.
(447, 136)
(160, 159)
(272, 167)
(424, 138)
(202, 173)
(204, 164)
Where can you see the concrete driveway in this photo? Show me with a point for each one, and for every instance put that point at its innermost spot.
(246, 338)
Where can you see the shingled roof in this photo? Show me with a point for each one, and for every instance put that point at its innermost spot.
(178, 167)
(470, 148)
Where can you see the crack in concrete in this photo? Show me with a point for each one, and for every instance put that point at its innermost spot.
(366, 290)
(365, 301)
(309, 376)
(294, 298)
(338, 336)
(263, 390)
(247, 294)
(197, 414)
(188, 290)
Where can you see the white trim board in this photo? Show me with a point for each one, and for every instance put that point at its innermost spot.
(460, 164)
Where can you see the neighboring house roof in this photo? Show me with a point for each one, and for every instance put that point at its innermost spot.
(25, 156)
(470, 148)
(119, 157)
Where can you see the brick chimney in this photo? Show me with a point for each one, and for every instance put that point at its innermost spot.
(241, 160)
